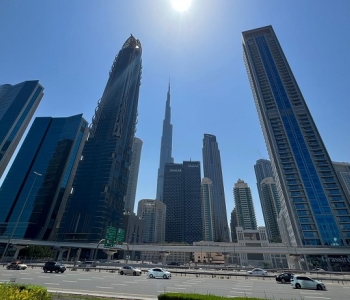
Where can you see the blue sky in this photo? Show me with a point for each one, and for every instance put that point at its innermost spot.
(69, 45)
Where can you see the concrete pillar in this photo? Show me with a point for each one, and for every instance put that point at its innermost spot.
(68, 254)
(226, 256)
(60, 253)
(109, 253)
(294, 262)
(18, 248)
(91, 255)
(164, 255)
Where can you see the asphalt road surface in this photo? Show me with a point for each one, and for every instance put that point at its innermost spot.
(137, 287)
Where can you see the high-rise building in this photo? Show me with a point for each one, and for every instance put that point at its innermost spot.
(96, 201)
(314, 210)
(32, 194)
(17, 107)
(133, 176)
(212, 170)
(271, 206)
(234, 224)
(182, 197)
(207, 209)
(244, 205)
(269, 199)
(342, 170)
(153, 212)
(165, 148)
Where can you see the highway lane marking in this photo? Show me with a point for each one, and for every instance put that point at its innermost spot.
(83, 279)
(241, 289)
(51, 283)
(105, 287)
(240, 292)
(26, 278)
(183, 285)
(43, 276)
(316, 297)
(97, 278)
(70, 281)
(118, 284)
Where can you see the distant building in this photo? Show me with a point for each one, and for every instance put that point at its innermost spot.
(18, 104)
(153, 213)
(40, 177)
(207, 209)
(244, 205)
(182, 197)
(342, 169)
(234, 224)
(133, 176)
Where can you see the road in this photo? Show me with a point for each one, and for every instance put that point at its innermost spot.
(112, 284)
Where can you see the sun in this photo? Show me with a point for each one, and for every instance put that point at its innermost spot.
(181, 5)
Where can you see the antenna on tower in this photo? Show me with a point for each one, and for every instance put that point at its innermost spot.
(259, 154)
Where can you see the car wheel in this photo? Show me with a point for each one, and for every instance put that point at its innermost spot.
(297, 286)
(62, 272)
(165, 277)
(56, 271)
(134, 273)
(50, 271)
(121, 273)
(151, 276)
(45, 270)
(319, 287)
(283, 280)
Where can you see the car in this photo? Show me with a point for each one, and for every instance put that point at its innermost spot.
(257, 271)
(16, 265)
(130, 270)
(173, 263)
(88, 264)
(317, 270)
(284, 277)
(158, 272)
(304, 282)
(54, 266)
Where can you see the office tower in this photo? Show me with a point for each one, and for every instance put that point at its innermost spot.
(271, 206)
(234, 224)
(17, 106)
(32, 194)
(182, 197)
(153, 212)
(342, 169)
(314, 211)
(99, 187)
(268, 195)
(212, 170)
(165, 148)
(129, 200)
(244, 205)
(207, 209)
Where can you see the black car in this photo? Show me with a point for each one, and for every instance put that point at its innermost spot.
(53, 266)
(284, 277)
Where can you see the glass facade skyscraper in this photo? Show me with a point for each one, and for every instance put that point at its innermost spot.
(213, 171)
(314, 211)
(207, 209)
(31, 204)
(17, 107)
(96, 200)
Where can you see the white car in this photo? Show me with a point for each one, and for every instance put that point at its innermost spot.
(304, 282)
(257, 271)
(158, 272)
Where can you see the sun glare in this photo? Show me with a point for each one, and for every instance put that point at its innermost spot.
(181, 5)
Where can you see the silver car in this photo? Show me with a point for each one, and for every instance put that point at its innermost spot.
(158, 272)
(130, 270)
(257, 271)
(304, 282)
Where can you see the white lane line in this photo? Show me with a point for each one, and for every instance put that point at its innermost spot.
(97, 278)
(242, 289)
(246, 286)
(186, 285)
(51, 283)
(43, 276)
(316, 297)
(105, 287)
(241, 292)
(70, 281)
(177, 288)
(26, 278)
(118, 284)
(83, 279)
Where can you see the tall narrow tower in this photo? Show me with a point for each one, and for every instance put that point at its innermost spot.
(314, 210)
(165, 148)
(213, 171)
(96, 200)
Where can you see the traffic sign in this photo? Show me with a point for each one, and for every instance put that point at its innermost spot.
(110, 237)
(120, 235)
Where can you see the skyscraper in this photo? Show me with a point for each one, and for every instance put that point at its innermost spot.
(17, 107)
(207, 209)
(153, 212)
(133, 176)
(244, 205)
(165, 148)
(234, 224)
(342, 169)
(41, 175)
(313, 206)
(263, 169)
(212, 170)
(182, 197)
(96, 201)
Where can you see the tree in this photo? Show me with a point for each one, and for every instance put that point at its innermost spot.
(37, 251)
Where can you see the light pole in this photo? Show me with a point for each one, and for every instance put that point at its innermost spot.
(19, 216)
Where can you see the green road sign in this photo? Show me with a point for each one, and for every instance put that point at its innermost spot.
(120, 235)
(110, 237)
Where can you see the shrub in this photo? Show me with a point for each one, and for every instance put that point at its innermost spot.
(23, 292)
(180, 296)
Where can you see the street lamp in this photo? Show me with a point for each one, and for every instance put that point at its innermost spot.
(19, 216)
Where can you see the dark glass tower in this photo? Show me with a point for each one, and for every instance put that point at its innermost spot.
(96, 201)
(314, 210)
(42, 173)
(182, 197)
(17, 106)
(213, 171)
(165, 148)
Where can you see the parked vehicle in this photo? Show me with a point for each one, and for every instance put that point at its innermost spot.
(54, 266)
(88, 264)
(257, 271)
(284, 277)
(130, 270)
(304, 282)
(16, 265)
(173, 263)
(317, 270)
(158, 273)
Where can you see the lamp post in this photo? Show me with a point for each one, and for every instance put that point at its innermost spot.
(19, 216)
